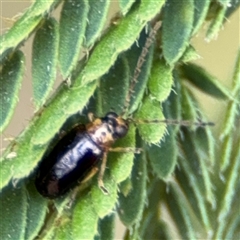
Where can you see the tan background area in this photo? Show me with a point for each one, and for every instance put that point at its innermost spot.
(218, 57)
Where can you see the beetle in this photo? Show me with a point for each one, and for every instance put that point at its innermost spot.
(73, 157)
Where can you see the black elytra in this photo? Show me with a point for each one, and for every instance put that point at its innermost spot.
(74, 155)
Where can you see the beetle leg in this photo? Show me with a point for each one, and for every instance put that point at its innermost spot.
(101, 174)
(125, 150)
(94, 170)
(104, 161)
(91, 117)
(76, 190)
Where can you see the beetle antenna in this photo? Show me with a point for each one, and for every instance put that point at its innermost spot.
(140, 62)
(172, 122)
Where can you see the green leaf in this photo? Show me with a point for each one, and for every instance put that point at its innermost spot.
(49, 236)
(132, 233)
(125, 5)
(198, 164)
(190, 54)
(183, 214)
(189, 106)
(107, 50)
(126, 186)
(106, 228)
(232, 116)
(161, 80)
(113, 88)
(44, 60)
(84, 219)
(236, 76)
(200, 13)
(163, 158)
(226, 146)
(97, 17)
(11, 75)
(196, 193)
(230, 121)
(216, 23)
(148, 9)
(177, 28)
(67, 102)
(23, 163)
(229, 193)
(204, 81)
(74, 19)
(103, 204)
(64, 231)
(25, 25)
(148, 119)
(233, 105)
(13, 208)
(36, 211)
(131, 206)
(172, 107)
(158, 230)
(224, 2)
(232, 229)
(206, 143)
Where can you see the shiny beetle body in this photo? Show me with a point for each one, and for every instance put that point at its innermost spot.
(75, 155)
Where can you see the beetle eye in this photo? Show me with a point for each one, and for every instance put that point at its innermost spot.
(111, 115)
(120, 131)
(110, 118)
(119, 126)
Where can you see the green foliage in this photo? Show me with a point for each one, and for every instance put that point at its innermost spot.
(11, 79)
(73, 19)
(136, 198)
(184, 184)
(44, 60)
(178, 24)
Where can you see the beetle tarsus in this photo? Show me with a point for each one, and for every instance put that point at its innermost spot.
(102, 187)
